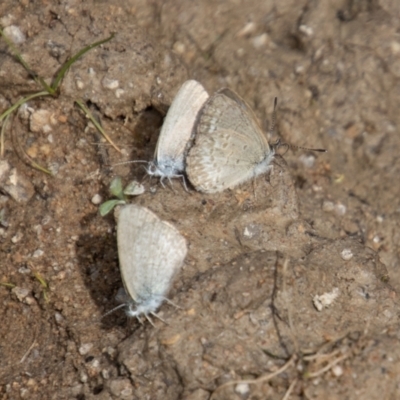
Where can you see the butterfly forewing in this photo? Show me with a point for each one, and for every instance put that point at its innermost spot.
(229, 146)
(150, 252)
(179, 123)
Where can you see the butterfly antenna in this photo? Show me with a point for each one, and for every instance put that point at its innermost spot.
(131, 162)
(114, 309)
(279, 143)
(293, 147)
(273, 122)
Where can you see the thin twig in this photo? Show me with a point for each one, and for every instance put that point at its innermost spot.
(262, 378)
(328, 367)
(290, 389)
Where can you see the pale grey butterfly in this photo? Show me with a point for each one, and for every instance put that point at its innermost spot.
(150, 252)
(230, 147)
(176, 132)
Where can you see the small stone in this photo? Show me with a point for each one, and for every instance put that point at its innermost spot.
(40, 121)
(247, 30)
(17, 237)
(121, 388)
(110, 83)
(15, 34)
(337, 370)
(85, 348)
(328, 206)
(242, 388)
(119, 93)
(346, 254)
(97, 199)
(105, 373)
(134, 188)
(179, 48)
(325, 300)
(340, 209)
(307, 160)
(38, 253)
(30, 300)
(58, 317)
(21, 293)
(307, 30)
(14, 183)
(260, 41)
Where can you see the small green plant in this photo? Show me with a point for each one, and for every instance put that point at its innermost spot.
(47, 90)
(134, 188)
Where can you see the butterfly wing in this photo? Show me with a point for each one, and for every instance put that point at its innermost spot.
(150, 252)
(230, 147)
(178, 125)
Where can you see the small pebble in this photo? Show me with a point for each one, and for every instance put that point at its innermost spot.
(21, 293)
(85, 348)
(97, 199)
(15, 34)
(110, 83)
(260, 41)
(340, 209)
(337, 370)
(325, 300)
(38, 253)
(328, 206)
(247, 30)
(17, 237)
(346, 254)
(134, 188)
(307, 30)
(242, 388)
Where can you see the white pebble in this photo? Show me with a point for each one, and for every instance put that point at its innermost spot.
(337, 370)
(105, 373)
(340, 209)
(242, 388)
(79, 83)
(21, 293)
(40, 121)
(328, 206)
(179, 48)
(58, 317)
(110, 83)
(134, 188)
(38, 253)
(247, 30)
(346, 254)
(260, 41)
(307, 160)
(85, 348)
(17, 237)
(15, 34)
(97, 199)
(119, 93)
(307, 30)
(325, 300)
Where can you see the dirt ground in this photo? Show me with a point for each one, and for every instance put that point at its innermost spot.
(288, 291)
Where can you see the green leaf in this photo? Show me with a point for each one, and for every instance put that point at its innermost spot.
(116, 188)
(108, 206)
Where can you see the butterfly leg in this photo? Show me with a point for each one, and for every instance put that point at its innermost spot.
(173, 304)
(157, 316)
(184, 182)
(149, 319)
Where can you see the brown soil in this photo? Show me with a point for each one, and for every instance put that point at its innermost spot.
(257, 258)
